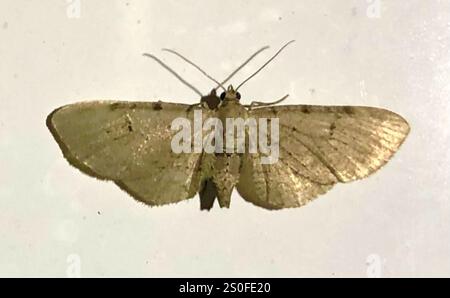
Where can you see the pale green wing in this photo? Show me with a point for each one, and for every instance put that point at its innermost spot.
(129, 143)
(320, 146)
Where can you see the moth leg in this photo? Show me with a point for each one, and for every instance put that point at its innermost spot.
(262, 104)
(208, 194)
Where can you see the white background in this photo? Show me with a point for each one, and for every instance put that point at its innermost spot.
(56, 221)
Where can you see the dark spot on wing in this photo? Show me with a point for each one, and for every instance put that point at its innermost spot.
(332, 128)
(115, 106)
(157, 106)
(122, 105)
(128, 123)
(349, 110)
(328, 109)
(305, 109)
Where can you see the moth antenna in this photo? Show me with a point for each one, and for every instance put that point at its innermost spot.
(197, 67)
(265, 64)
(262, 104)
(174, 73)
(244, 64)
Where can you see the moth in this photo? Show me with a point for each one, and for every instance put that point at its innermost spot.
(319, 146)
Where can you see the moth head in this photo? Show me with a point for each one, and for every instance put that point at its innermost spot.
(230, 94)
